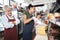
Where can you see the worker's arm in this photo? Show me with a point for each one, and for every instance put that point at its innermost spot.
(26, 20)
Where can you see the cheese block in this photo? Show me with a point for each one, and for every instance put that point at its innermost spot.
(41, 30)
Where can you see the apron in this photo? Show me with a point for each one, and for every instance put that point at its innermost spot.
(11, 33)
(27, 30)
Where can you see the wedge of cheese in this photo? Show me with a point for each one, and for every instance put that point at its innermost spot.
(41, 30)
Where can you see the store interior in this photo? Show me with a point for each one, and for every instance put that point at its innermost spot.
(50, 13)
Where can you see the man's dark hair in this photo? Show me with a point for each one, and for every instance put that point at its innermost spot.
(30, 5)
(38, 13)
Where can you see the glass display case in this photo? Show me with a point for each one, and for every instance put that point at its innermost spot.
(1, 25)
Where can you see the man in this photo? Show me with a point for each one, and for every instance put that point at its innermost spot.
(28, 23)
(9, 22)
(14, 11)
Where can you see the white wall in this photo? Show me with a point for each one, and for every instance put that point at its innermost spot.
(34, 2)
(1, 1)
(6, 2)
(42, 1)
(24, 4)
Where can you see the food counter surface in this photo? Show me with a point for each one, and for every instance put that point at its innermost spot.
(55, 22)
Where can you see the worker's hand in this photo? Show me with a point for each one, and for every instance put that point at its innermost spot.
(35, 24)
(14, 22)
(33, 18)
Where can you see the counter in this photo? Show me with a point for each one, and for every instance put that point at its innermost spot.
(55, 29)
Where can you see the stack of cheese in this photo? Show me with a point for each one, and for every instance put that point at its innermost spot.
(41, 30)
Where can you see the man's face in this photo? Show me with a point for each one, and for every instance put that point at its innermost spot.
(14, 6)
(9, 10)
(38, 16)
(32, 9)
